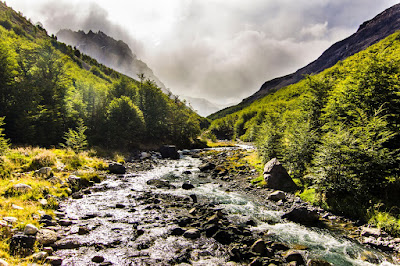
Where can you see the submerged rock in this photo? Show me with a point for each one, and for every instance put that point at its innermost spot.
(276, 176)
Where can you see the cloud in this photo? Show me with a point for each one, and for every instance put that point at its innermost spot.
(217, 49)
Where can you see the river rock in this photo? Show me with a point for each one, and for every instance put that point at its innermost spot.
(67, 244)
(302, 215)
(21, 244)
(116, 168)
(187, 185)
(30, 229)
(206, 167)
(98, 259)
(315, 262)
(258, 247)
(177, 231)
(159, 183)
(277, 195)
(169, 151)
(24, 188)
(370, 231)
(276, 176)
(296, 256)
(39, 256)
(48, 250)
(46, 237)
(3, 263)
(192, 233)
(54, 260)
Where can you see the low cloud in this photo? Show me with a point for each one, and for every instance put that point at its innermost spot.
(220, 50)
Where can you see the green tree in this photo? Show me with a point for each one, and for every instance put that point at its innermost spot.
(76, 139)
(125, 124)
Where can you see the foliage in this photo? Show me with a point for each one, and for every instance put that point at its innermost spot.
(4, 145)
(337, 131)
(124, 121)
(47, 87)
(76, 139)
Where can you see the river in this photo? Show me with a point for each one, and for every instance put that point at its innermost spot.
(125, 221)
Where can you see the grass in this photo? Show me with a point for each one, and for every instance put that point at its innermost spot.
(18, 166)
(386, 221)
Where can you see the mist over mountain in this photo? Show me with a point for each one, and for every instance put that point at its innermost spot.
(203, 106)
(110, 52)
(368, 33)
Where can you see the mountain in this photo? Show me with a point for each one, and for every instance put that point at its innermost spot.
(110, 52)
(203, 106)
(49, 89)
(369, 33)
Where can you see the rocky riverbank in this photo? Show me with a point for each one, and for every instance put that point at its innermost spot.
(162, 212)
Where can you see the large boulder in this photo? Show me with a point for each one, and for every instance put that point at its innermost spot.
(276, 176)
(169, 151)
(302, 215)
(116, 168)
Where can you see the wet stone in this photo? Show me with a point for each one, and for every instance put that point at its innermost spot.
(54, 260)
(177, 231)
(120, 206)
(98, 259)
(192, 234)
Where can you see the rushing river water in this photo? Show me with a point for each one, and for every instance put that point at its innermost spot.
(128, 224)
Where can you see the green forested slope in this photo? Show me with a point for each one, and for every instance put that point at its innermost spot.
(338, 131)
(47, 87)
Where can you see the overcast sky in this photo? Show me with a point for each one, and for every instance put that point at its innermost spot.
(221, 50)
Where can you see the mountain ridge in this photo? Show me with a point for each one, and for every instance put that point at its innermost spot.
(115, 54)
(368, 33)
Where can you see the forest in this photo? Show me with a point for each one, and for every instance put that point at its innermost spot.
(50, 92)
(337, 132)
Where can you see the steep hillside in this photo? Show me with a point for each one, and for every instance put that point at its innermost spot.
(110, 52)
(370, 32)
(337, 132)
(49, 91)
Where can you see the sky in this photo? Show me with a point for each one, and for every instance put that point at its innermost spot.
(219, 50)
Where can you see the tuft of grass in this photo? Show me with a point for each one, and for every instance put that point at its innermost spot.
(44, 158)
